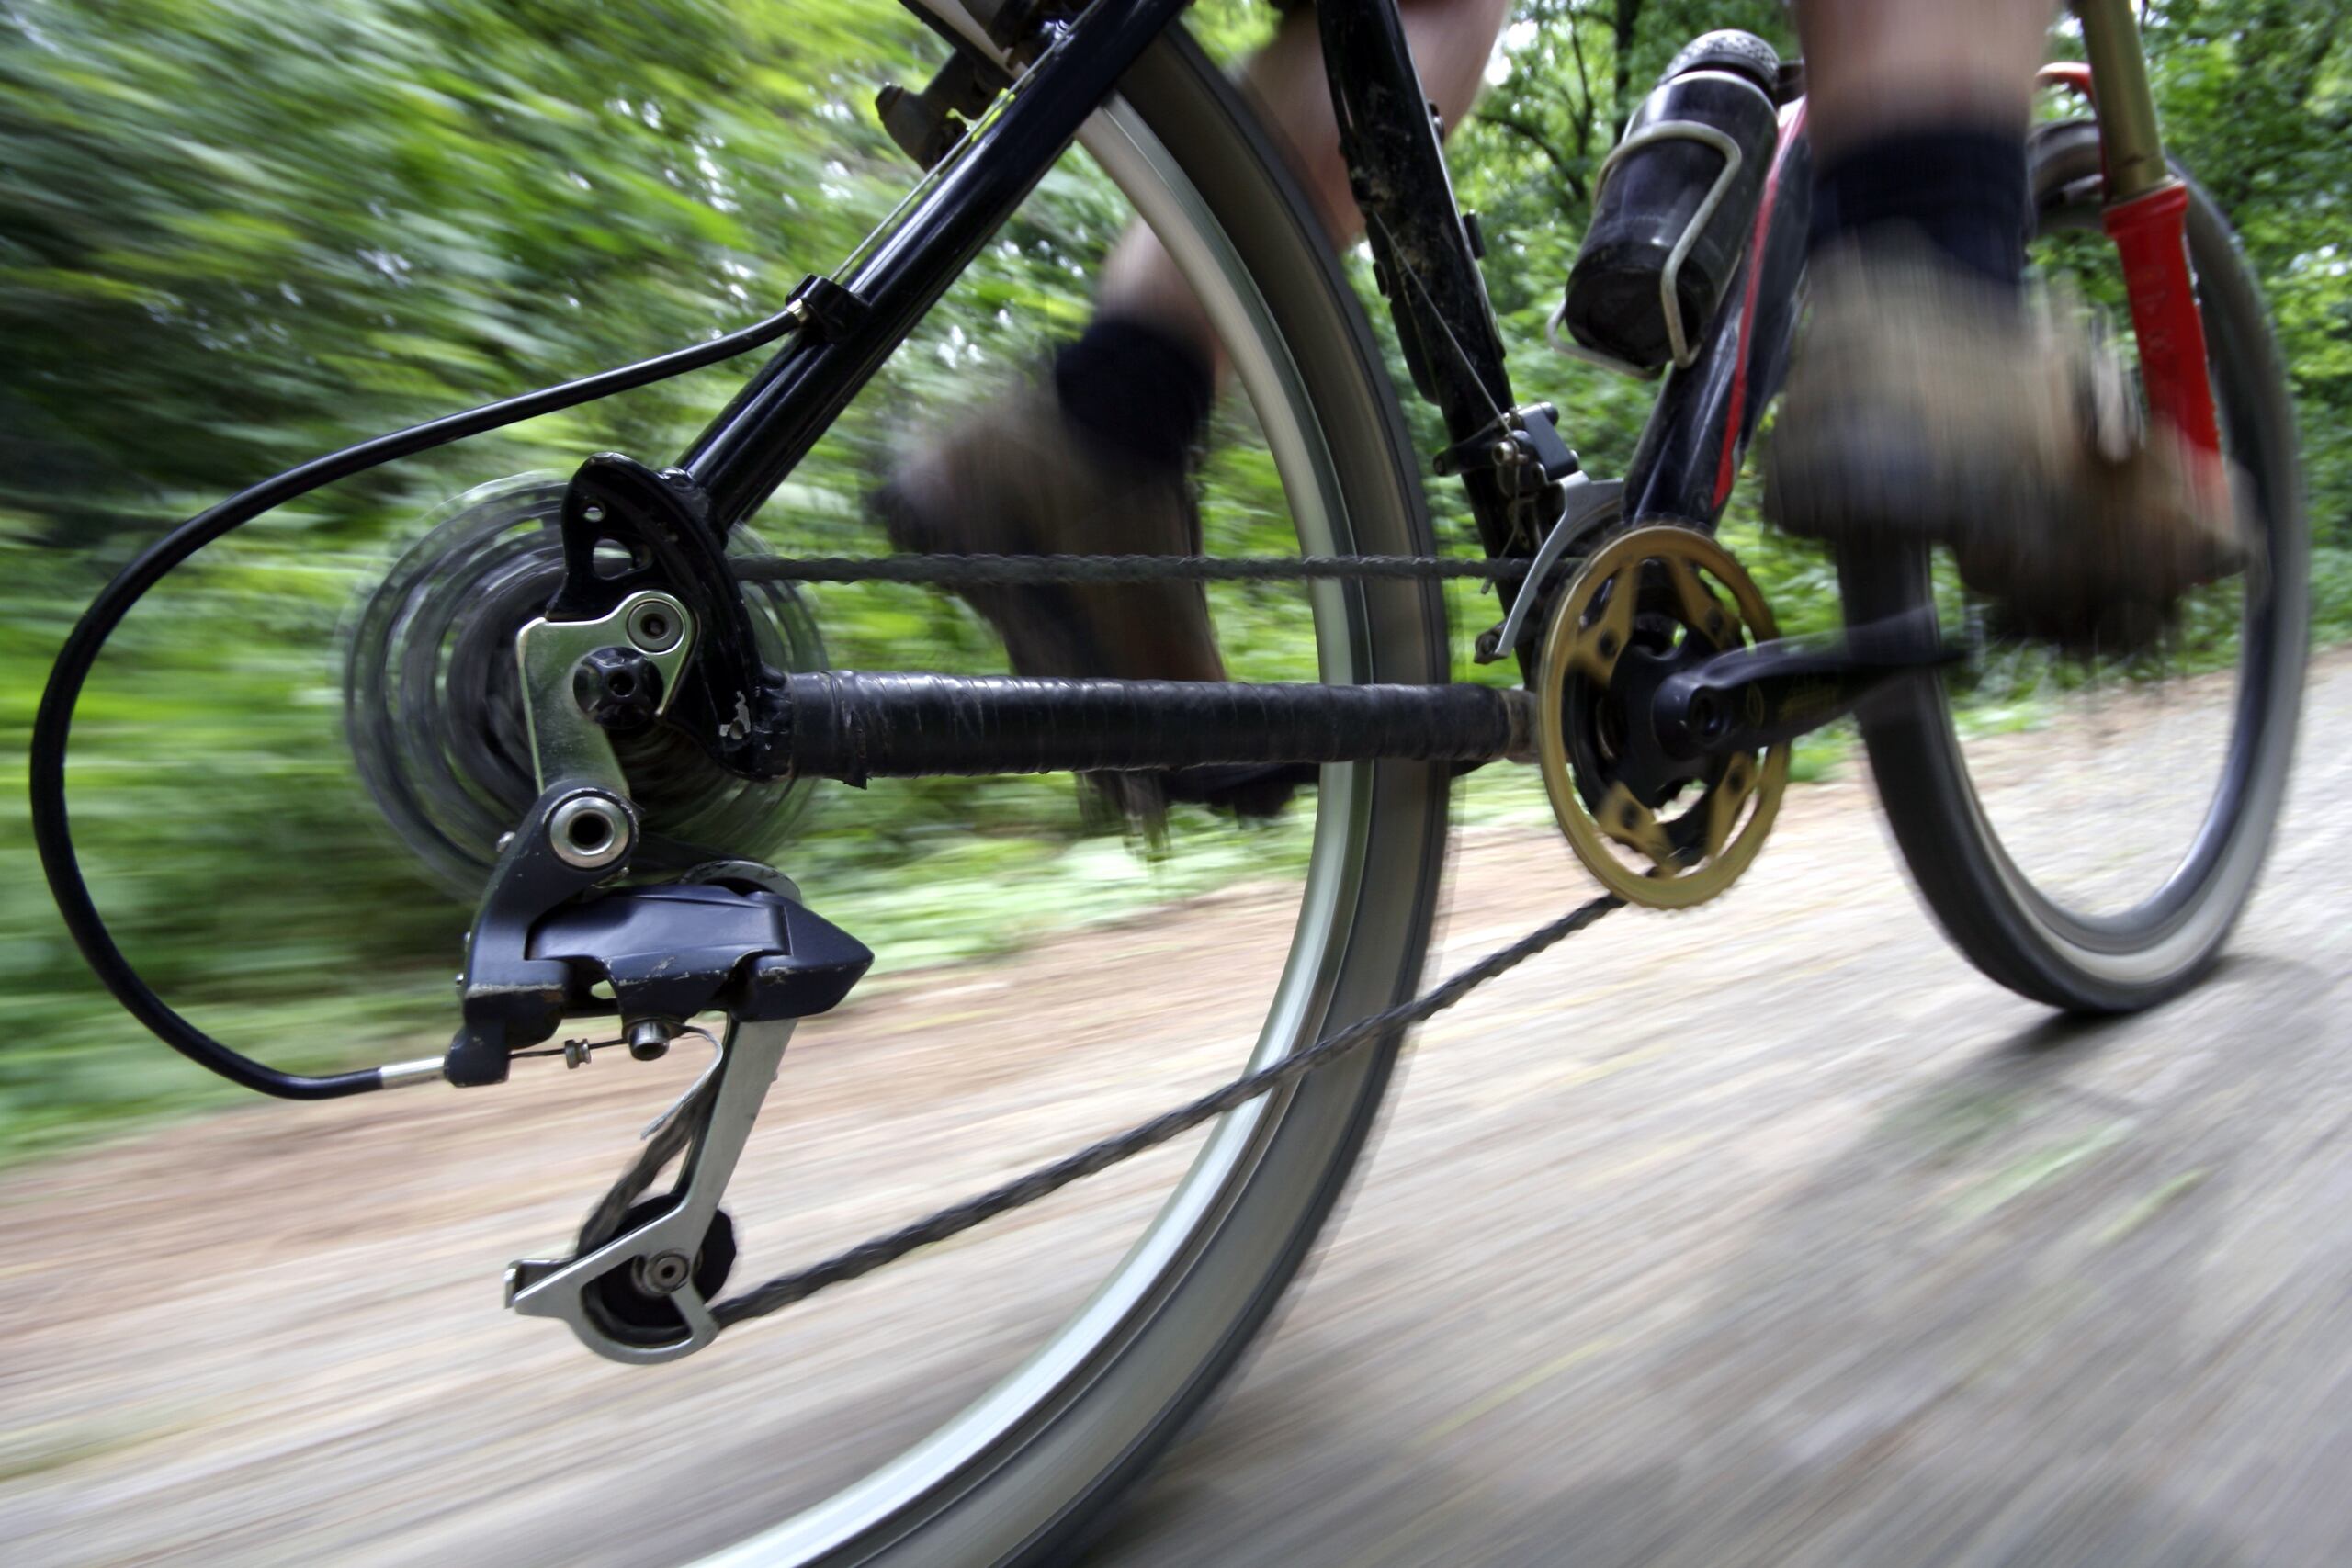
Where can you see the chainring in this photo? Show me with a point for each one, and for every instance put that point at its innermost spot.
(1654, 832)
(432, 706)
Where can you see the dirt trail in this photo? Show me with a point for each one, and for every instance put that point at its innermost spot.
(1769, 1233)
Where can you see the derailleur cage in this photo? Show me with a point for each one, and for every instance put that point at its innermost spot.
(638, 1285)
(733, 938)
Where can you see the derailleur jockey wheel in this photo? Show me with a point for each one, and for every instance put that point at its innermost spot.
(634, 1301)
(1666, 830)
(432, 702)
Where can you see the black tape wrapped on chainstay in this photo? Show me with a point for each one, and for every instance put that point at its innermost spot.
(846, 724)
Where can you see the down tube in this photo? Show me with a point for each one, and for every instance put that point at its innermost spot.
(1707, 412)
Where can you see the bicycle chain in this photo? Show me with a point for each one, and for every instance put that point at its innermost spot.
(1017, 571)
(1046, 1180)
(1042, 1181)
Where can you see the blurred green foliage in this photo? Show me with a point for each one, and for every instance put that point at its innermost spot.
(233, 235)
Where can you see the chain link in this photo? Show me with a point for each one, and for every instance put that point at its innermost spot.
(1017, 571)
(1047, 1180)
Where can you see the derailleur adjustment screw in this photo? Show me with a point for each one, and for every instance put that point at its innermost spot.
(649, 1038)
(617, 687)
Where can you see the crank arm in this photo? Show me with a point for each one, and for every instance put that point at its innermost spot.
(713, 1122)
(1751, 698)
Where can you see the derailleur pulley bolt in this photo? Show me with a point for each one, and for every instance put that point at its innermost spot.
(666, 1271)
(648, 1039)
(655, 626)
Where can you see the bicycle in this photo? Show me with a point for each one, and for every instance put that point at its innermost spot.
(650, 620)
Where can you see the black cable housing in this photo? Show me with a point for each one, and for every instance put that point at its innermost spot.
(53, 832)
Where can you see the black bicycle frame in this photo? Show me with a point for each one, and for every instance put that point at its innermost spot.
(1509, 457)
(1426, 256)
(853, 324)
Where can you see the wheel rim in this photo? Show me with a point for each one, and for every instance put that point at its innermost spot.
(927, 1479)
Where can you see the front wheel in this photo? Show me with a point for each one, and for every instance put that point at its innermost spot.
(2087, 833)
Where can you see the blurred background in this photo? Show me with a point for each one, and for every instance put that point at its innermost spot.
(233, 236)
(236, 235)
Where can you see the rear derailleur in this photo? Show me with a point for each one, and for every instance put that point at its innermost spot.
(561, 934)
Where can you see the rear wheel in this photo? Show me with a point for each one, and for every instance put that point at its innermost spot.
(2088, 833)
(1021, 1473)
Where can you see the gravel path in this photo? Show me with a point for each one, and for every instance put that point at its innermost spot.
(1770, 1233)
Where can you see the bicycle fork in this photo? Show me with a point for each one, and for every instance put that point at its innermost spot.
(2147, 206)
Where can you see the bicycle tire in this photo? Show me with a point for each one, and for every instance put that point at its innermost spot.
(1023, 1476)
(1992, 911)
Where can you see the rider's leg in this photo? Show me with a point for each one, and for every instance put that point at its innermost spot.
(1918, 111)
(1879, 66)
(1141, 377)
(1452, 41)
(1926, 399)
(1096, 460)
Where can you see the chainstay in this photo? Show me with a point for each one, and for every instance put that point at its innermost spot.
(1022, 1190)
(1019, 571)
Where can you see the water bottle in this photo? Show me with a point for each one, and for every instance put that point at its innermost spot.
(1675, 202)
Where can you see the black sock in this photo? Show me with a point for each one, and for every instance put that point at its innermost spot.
(1962, 188)
(1136, 388)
